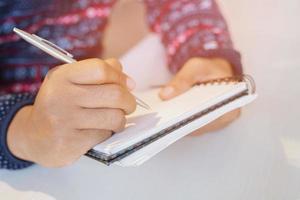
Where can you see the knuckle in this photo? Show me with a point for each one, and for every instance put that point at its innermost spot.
(117, 92)
(49, 93)
(114, 61)
(96, 62)
(117, 63)
(118, 120)
(132, 105)
(122, 99)
(103, 72)
(121, 78)
(101, 66)
(105, 135)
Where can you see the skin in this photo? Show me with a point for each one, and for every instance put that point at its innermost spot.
(50, 134)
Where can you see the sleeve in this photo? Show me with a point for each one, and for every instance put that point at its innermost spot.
(192, 28)
(9, 106)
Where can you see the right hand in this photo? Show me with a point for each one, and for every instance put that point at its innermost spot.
(77, 107)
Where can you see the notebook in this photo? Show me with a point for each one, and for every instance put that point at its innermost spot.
(150, 131)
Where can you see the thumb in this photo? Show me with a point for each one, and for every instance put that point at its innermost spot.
(178, 85)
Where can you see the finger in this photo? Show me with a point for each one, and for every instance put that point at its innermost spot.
(94, 71)
(105, 96)
(101, 119)
(95, 135)
(114, 63)
(86, 139)
(182, 82)
(118, 66)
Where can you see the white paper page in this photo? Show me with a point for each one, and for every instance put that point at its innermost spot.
(144, 123)
(144, 154)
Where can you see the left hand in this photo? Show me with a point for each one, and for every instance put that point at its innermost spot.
(197, 70)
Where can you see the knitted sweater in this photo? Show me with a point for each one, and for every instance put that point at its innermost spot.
(187, 28)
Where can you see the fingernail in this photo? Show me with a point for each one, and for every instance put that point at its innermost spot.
(130, 83)
(167, 91)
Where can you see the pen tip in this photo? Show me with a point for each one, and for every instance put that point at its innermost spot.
(146, 106)
(16, 30)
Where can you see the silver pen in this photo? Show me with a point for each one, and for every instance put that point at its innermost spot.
(57, 52)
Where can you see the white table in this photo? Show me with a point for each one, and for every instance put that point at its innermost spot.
(257, 157)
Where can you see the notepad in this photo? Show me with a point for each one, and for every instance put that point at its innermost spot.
(150, 131)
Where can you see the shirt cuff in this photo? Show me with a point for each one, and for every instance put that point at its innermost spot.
(7, 159)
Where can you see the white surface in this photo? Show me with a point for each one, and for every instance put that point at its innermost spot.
(256, 158)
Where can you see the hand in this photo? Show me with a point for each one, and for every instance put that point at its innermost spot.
(77, 107)
(198, 70)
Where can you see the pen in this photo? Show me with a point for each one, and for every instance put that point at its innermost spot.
(57, 52)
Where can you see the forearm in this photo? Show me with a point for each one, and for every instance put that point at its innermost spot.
(192, 28)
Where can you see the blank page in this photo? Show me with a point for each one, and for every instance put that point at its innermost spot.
(145, 123)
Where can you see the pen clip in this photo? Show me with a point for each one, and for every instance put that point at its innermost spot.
(54, 46)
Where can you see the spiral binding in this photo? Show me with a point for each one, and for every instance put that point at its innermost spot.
(108, 159)
(233, 79)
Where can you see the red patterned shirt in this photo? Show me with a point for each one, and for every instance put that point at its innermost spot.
(188, 28)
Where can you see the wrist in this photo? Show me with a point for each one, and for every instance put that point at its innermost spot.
(18, 134)
(210, 68)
